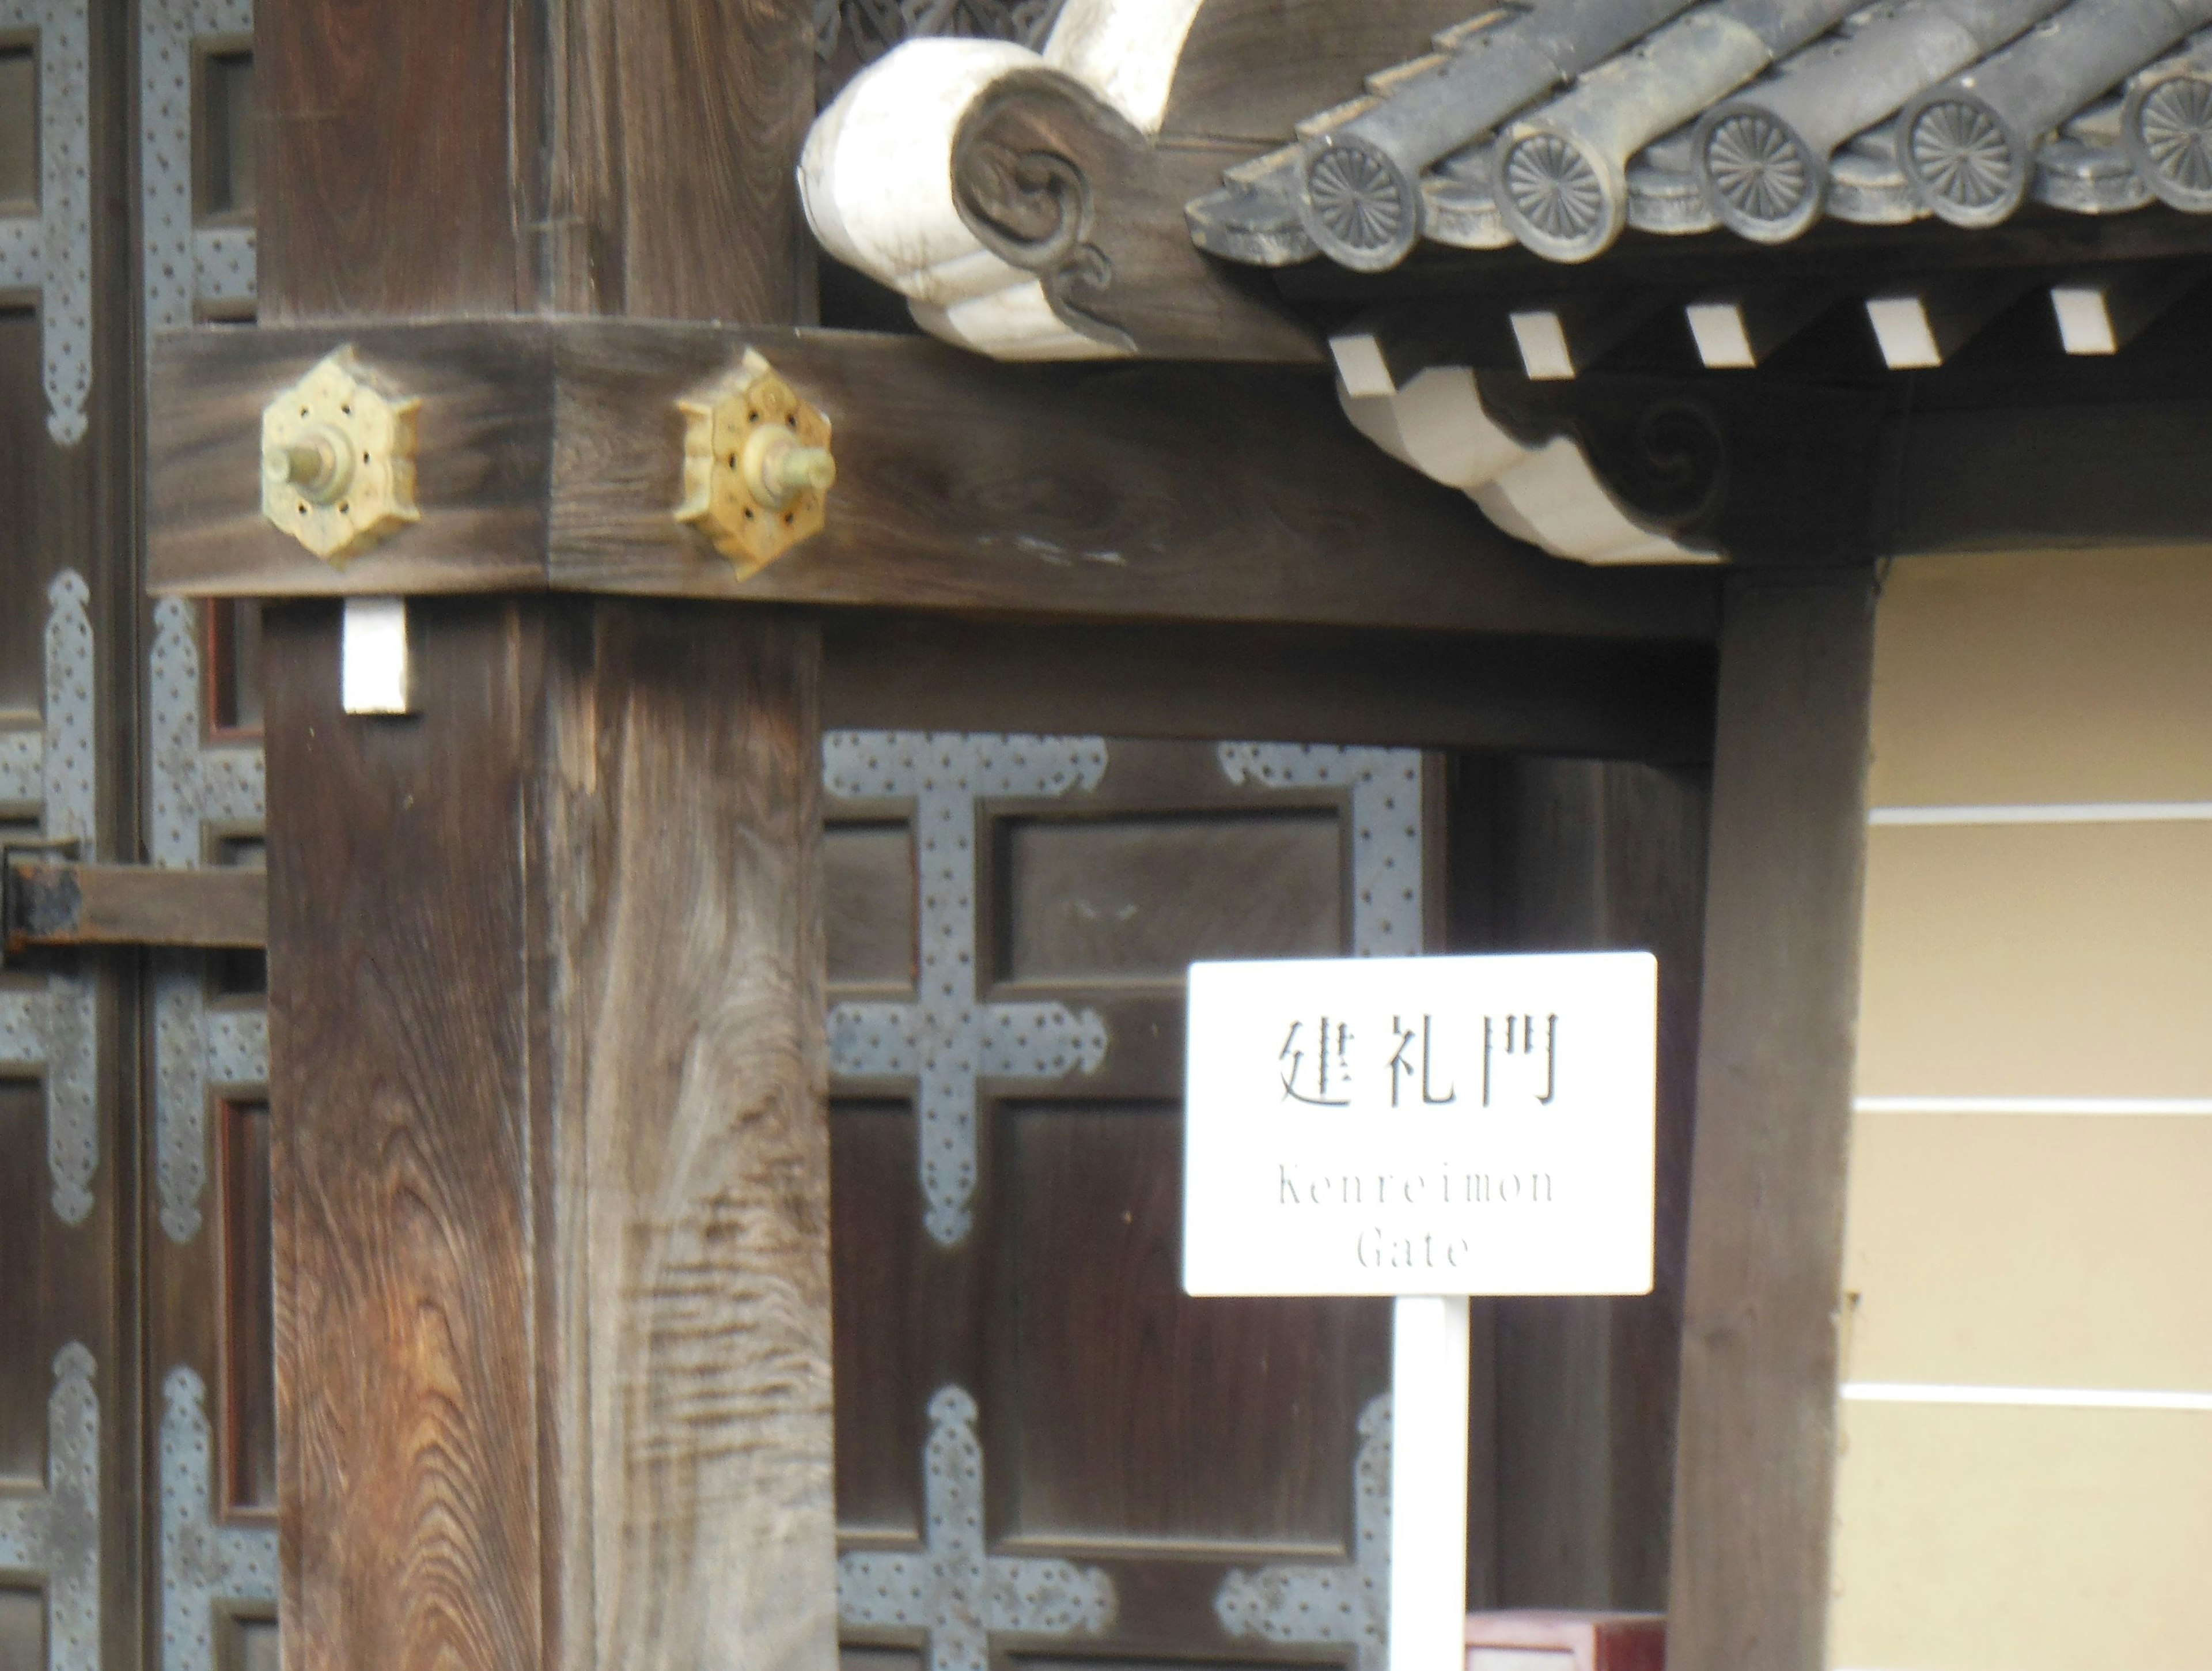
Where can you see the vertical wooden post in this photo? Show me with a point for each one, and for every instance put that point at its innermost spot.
(1755, 1456)
(551, 1168)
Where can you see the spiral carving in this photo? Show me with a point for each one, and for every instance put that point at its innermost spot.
(1675, 467)
(1030, 208)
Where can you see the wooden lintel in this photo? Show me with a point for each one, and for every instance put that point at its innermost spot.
(50, 903)
(549, 454)
(1645, 701)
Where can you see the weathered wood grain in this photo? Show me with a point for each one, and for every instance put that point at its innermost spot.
(485, 436)
(671, 189)
(551, 1173)
(1756, 1445)
(552, 1139)
(401, 1062)
(1121, 493)
(689, 1284)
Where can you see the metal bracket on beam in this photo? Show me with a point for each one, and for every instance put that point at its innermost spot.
(48, 899)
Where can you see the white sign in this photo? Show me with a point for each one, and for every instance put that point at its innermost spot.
(1447, 1126)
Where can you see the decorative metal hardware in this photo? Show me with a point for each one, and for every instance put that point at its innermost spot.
(950, 1589)
(51, 1031)
(205, 1565)
(51, 251)
(337, 460)
(756, 465)
(55, 1534)
(1386, 817)
(183, 266)
(198, 788)
(947, 1038)
(1344, 1603)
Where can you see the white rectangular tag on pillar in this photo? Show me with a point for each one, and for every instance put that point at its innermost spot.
(1428, 1483)
(373, 664)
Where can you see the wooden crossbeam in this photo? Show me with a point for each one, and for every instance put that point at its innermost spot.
(549, 457)
(45, 902)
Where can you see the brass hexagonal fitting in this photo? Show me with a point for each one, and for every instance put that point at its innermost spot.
(338, 460)
(756, 465)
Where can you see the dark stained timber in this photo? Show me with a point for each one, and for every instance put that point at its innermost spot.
(249, 1360)
(1756, 1444)
(1137, 1408)
(551, 458)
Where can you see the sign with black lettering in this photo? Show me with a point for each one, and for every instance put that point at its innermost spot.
(1421, 1126)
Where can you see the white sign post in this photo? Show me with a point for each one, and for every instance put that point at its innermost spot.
(1429, 1128)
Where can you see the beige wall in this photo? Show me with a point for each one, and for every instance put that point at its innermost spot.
(2027, 1476)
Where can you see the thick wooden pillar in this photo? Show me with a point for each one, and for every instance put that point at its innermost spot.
(550, 1159)
(1756, 1446)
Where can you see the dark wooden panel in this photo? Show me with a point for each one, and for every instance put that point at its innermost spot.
(25, 1376)
(1139, 1411)
(851, 1657)
(1757, 1435)
(868, 903)
(1567, 855)
(249, 1643)
(22, 1628)
(223, 129)
(249, 1352)
(231, 639)
(883, 1283)
(386, 148)
(19, 128)
(1140, 898)
(25, 563)
(404, 1346)
(485, 436)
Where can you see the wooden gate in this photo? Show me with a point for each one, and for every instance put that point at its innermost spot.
(1044, 1452)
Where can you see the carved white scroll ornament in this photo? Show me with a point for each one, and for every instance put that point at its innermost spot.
(875, 176)
(1545, 492)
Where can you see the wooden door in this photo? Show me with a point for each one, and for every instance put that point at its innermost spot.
(1045, 1452)
(135, 1446)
